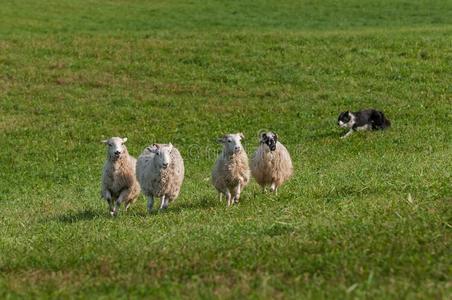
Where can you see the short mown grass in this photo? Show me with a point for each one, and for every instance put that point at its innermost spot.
(365, 217)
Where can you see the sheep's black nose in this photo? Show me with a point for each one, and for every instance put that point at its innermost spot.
(117, 152)
(165, 165)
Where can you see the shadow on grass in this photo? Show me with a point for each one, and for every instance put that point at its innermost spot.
(177, 208)
(174, 208)
(328, 134)
(84, 215)
(204, 203)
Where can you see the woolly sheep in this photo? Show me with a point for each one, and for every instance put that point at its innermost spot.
(160, 172)
(231, 172)
(118, 183)
(271, 163)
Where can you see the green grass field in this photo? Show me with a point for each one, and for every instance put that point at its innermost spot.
(366, 217)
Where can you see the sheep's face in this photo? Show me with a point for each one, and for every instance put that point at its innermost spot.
(115, 147)
(232, 142)
(162, 154)
(270, 139)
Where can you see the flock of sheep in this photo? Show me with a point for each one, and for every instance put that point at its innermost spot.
(159, 170)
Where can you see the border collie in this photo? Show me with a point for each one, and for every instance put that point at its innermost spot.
(368, 119)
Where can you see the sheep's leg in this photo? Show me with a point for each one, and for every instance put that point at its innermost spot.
(221, 197)
(164, 202)
(124, 194)
(237, 194)
(150, 203)
(273, 187)
(107, 195)
(111, 207)
(126, 205)
(228, 197)
(347, 134)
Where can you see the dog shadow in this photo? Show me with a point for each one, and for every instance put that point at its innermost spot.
(324, 135)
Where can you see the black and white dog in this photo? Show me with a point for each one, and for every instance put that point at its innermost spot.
(368, 119)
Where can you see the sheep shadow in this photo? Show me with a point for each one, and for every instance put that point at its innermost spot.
(201, 204)
(177, 208)
(85, 215)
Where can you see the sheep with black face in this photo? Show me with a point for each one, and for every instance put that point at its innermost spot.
(118, 183)
(271, 164)
(160, 172)
(231, 172)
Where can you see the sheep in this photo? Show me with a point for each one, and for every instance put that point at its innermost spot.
(271, 163)
(118, 182)
(231, 171)
(160, 172)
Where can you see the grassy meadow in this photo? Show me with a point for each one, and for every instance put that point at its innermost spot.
(365, 217)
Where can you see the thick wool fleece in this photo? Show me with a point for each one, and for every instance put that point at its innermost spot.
(269, 167)
(119, 175)
(158, 182)
(230, 171)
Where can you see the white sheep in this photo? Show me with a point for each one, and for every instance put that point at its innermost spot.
(118, 183)
(160, 172)
(271, 163)
(231, 172)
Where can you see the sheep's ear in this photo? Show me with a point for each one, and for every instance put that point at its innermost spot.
(153, 148)
(104, 141)
(222, 139)
(170, 146)
(242, 136)
(275, 136)
(124, 139)
(261, 135)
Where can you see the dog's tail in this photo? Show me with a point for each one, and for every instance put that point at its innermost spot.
(385, 121)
